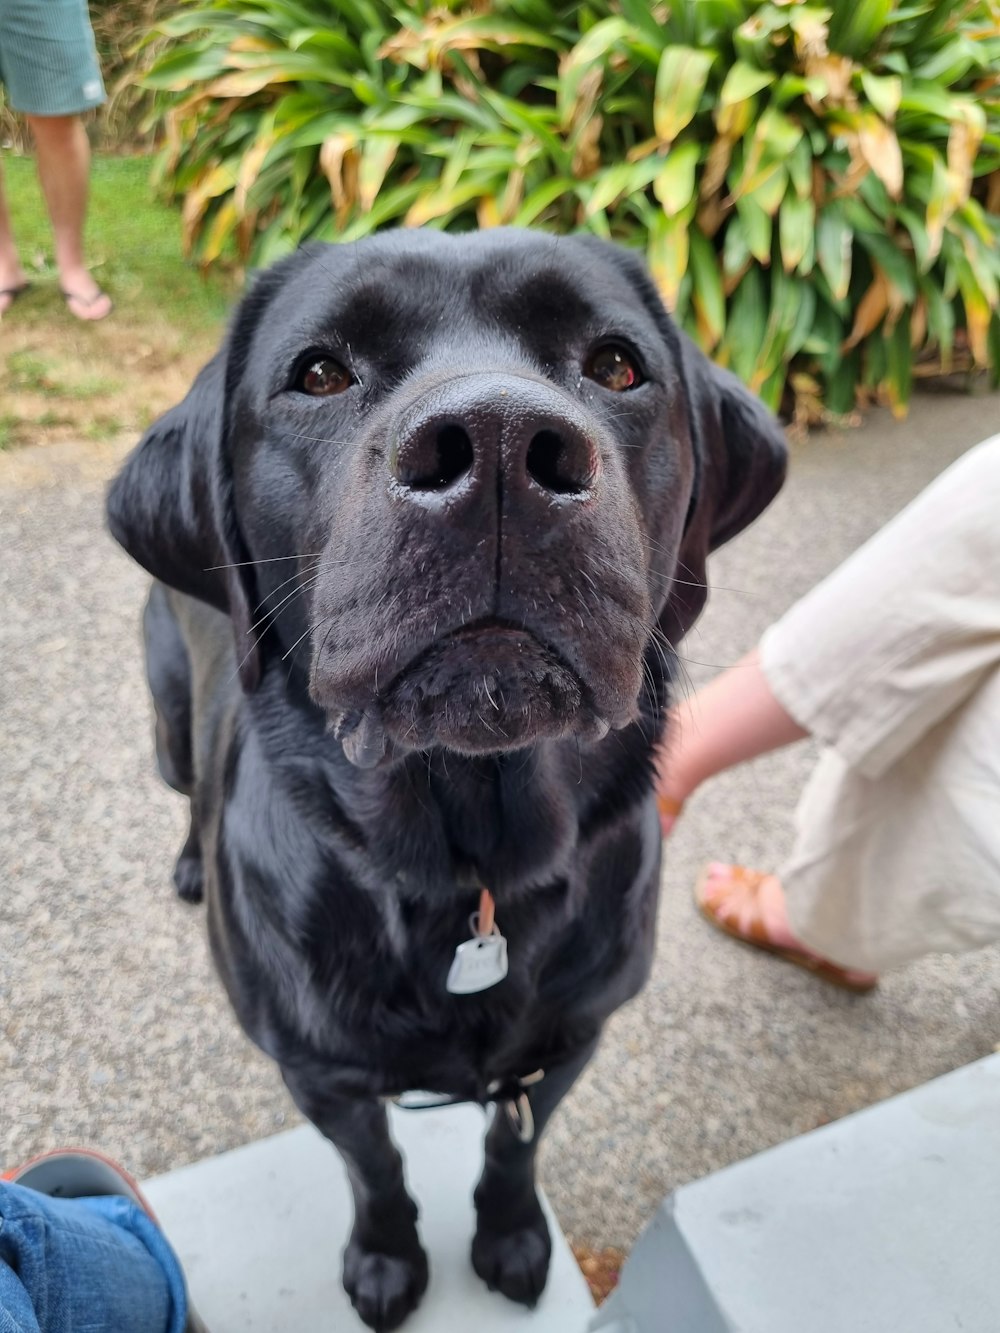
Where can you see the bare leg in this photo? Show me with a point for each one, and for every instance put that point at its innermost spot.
(733, 719)
(11, 273)
(63, 169)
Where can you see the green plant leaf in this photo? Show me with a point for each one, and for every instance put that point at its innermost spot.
(667, 256)
(673, 184)
(757, 228)
(542, 198)
(680, 82)
(799, 166)
(624, 178)
(834, 242)
(940, 320)
(899, 368)
(883, 91)
(746, 324)
(803, 321)
(588, 52)
(856, 26)
(994, 350)
(842, 384)
(769, 191)
(894, 263)
(977, 311)
(736, 254)
(735, 104)
(743, 81)
(707, 296)
(919, 237)
(796, 232)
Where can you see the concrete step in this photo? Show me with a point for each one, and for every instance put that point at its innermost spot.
(883, 1222)
(260, 1230)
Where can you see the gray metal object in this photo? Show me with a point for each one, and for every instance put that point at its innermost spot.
(887, 1220)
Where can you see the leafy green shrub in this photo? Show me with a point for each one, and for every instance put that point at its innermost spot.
(816, 190)
(119, 27)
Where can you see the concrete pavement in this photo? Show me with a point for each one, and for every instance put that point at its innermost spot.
(114, 1031)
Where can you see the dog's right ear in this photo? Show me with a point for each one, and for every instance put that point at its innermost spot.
(164, 506)
(171, 507)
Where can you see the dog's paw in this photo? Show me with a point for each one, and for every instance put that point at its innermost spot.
(515, 1263)
(384, 1288)
(189, 879)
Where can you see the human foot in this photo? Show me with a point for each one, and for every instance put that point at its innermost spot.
(750, 906)
(84, 299)
(13, 281)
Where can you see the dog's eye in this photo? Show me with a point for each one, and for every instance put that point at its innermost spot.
(612, 368)
(321, 377)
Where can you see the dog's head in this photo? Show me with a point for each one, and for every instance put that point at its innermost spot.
(467, 480)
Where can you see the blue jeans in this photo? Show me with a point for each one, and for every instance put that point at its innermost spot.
(85, 1266)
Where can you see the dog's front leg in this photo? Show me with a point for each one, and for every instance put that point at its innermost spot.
(511, 1247)
(385, 1267)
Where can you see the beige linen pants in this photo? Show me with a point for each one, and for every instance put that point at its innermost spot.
(893, 662)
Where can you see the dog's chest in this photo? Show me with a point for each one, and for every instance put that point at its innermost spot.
(394, 1009)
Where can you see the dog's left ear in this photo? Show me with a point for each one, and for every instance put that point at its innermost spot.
(741, 457)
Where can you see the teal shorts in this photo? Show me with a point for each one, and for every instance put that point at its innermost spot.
(48, 60)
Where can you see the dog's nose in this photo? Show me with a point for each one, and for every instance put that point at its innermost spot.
(474, 430)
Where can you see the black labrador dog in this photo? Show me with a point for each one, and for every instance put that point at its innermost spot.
(425, 533)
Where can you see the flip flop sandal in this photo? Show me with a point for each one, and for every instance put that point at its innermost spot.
(756, 936)
(76, 1173)
(87, 301)
(13, 293)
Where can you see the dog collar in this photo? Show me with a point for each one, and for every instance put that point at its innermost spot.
(510, 1093)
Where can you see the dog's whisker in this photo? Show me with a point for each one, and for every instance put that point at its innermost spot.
(270, 560)
(329, 631)
(316, 439)
(260, 637)
(307, 631)
(271, 613)
(284, 582)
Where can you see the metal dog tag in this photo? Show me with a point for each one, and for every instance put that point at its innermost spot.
(479, 963)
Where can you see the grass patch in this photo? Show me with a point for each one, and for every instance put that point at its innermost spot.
(29, 372)
(8, 427)
(63, 379)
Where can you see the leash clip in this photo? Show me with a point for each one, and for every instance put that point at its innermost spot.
(520, 1118)
(518, 1108)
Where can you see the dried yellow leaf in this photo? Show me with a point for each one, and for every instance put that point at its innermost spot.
(879, 147)
(871, 311)
(338, 162)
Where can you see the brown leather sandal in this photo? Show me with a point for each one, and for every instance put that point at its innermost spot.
(755, 934)
(669, 809)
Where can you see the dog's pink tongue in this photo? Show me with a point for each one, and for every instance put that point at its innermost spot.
(365, 746)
